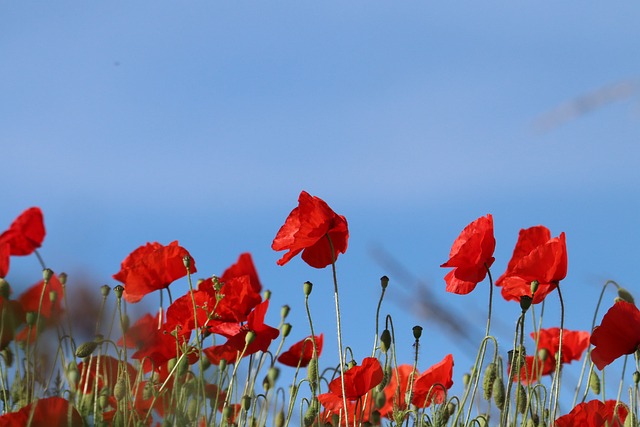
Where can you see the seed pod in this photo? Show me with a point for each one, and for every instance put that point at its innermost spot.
(490, 374)
(521, 399)
(280, 419)
(84, 350)
(498, 393)
(286, 329)
(594, 382)
(307, 288)
(246, 402)
(385, 341)
(625, 295)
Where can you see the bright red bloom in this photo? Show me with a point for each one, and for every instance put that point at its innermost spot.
(46, 412)
(594, 414)
(431, 386)
(232, 349)
(243, 267)
(152, 267)
(574, 343)
(5, 254)
(26, 232)
(536, 256)
(396, 396)
(301, 353)
(617, 335)
(334, 405)
(471, 255)
(308, 229)
(358, 380)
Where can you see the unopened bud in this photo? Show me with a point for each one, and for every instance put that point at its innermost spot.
(625, 295)
(466, 379)
(120, 389)
(47, 273)
(280, 419)
(490, 375)
(385, 341)
(534, 286)
(53, 296)
(267, 295)
(286, 329)
(636, 377)
(249, 338)
(85, 349)
(307, 287)
(284, 311)
(498, 393)
(594, 382)
(7, 355)
(521, 399)
(312, 372)
(222, 365)
(384, 282)
(245, 402)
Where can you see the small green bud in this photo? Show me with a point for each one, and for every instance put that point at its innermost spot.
(53, 296)
(118, 290)
(417, 332)
(490, 375)
(84, 350)
(62, 277)
(30, 318)
(312, 372)
(521, 399)
(273, 374)
(385, 341)
(245, 402)
(286, 329)
(267, 295)
(498, 393)
(120, 389)
(384, 282)
(5, 289)
(47, 273)
(631, 420)
(466, 379)
(222, 365)
(534, 286)
(249, 338)
(636, 377)
(280, 419)
(104, 290)
(307, 287)
(284, 311)
(594, 382)
(625, 295)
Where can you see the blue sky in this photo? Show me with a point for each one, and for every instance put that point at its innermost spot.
(203, 121)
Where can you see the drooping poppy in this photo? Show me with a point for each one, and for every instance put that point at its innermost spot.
(574, 344)
(301, 353)
(46, 412)
(471, 255)
(235, 345)
(538, 257)
(152, 267)
(432, 385)
(617, 335)
(26, 232)
(594, 414)
(312, 228)
(358, 380)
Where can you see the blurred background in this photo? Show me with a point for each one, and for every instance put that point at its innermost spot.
(202, 121)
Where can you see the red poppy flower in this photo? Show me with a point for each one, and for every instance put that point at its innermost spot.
(152, 267)
(594, 414)
(264, 334)
(26, 233)
(308, 229)
(536, 256)
(470, 256)
(617, 335)
(243, 267)
(301, 353)
(574, 343)
(334, 405)
(396, 391)
(46, 412)
(5, 255)
(358, 380)
(432, 384)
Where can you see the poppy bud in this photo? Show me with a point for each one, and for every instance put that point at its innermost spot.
(543, 354)
(466, 379)
(84, 350)
(267, 295)
(5, 289)
(30, 318)
(312, 372)
(625, 295)
(120, 389)
(62, 277)
(7, 355)
(417, 332)
(186, 260)
(103, 401)
(534, 286)
(273, 373)
(306, 288)
(385, 340)
(47, 273)
(222, 365)
(286, 329)
(631, 420)
(351, 364)
(104, 290)
(498, 394)
(53, 296)
(118, 290)
(594, 382)
(490, 374)
(525, 303)
(636, 377)
(183, 366)
(246, 402)
(380, 399)
(384, 282)
(249, 338)
(280, 419)
(284, 311)
(521, 399)
(227, 412)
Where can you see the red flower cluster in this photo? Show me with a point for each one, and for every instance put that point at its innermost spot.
(574, 343)
(432, 385)
(471, 256)
(594, 414)
(312, 228)
(46, 412)
(536, 256)
(617, 335)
